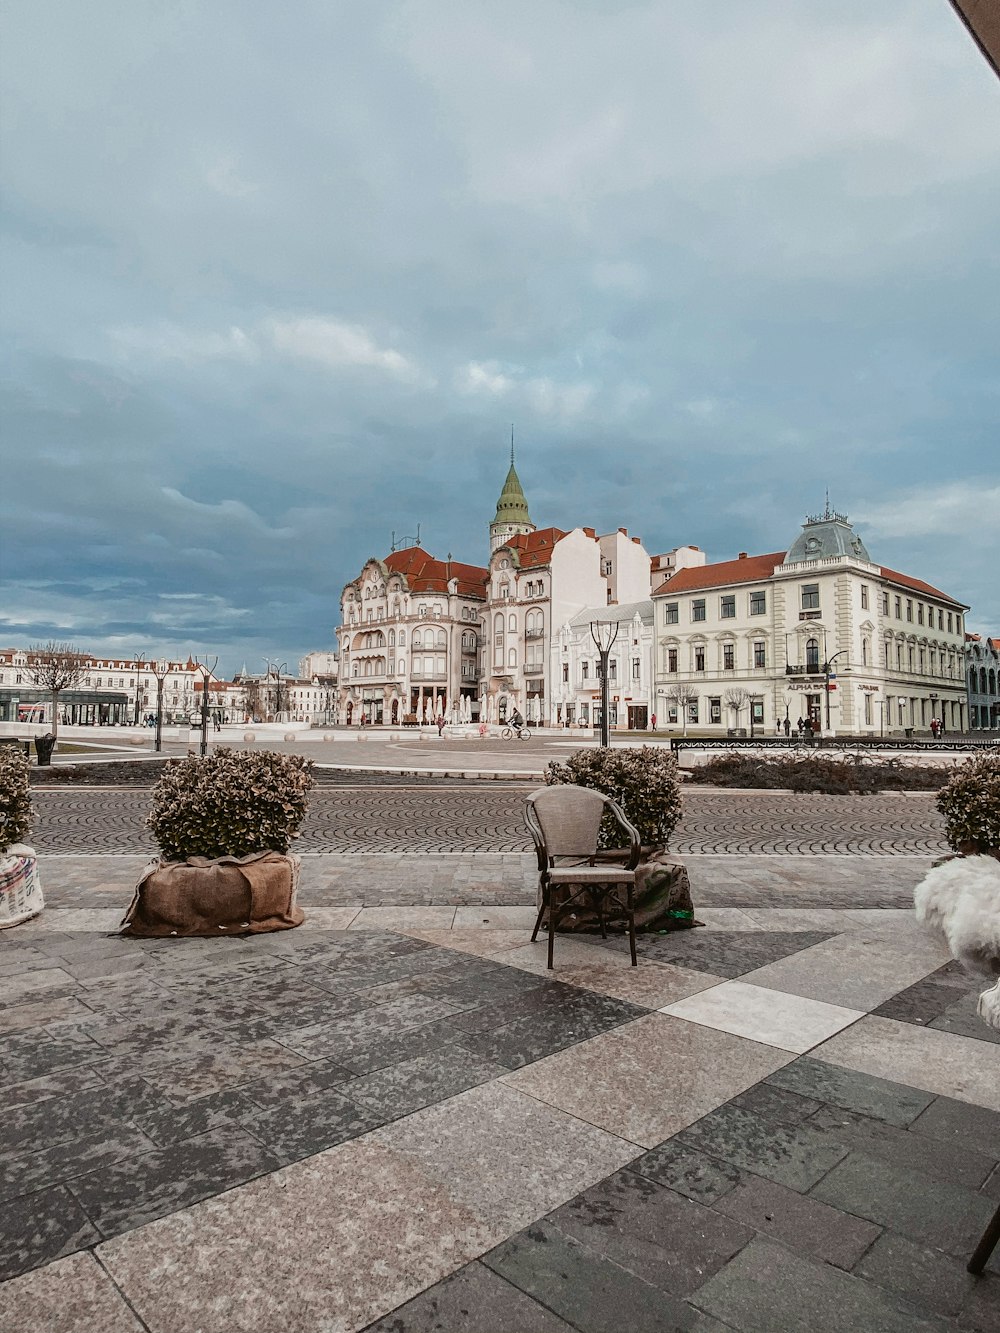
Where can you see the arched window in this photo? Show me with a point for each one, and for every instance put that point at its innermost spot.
(512, 657)
(417, 639)
(442, 639)
(812, 654)
(392, 638)
(866, 651)
(402, 638)
(512, 624)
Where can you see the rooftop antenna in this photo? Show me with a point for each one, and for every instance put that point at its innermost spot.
(401, 543)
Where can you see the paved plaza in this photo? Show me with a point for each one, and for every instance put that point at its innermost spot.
(394, 1118)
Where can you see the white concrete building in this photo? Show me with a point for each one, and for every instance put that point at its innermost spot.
(576, 689)
(819, 632)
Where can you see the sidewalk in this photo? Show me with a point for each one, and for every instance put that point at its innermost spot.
(395, 1119)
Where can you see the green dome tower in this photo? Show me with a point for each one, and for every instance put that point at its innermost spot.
(512, 515)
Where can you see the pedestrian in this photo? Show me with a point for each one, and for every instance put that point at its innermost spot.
(788, 726)
(801, 726)
(652, 721)
(934, 727)
(440, 725)
(364, 721)
(807, 730)
(777, 726)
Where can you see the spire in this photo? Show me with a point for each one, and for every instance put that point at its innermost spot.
(512, 508)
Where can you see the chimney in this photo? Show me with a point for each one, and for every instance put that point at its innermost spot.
(742, 555)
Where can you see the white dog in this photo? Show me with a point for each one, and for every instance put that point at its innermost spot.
(961, 898)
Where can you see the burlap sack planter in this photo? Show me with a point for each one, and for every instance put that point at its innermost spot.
(20, 885)
(234, 895)
(662, 897)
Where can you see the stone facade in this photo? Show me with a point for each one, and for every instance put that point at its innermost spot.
(819, 632)
(982, 660)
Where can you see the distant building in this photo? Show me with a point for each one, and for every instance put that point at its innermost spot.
(982, 661)
(576, 692)
(819, 632)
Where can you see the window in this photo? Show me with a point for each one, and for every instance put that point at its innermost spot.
(693, 711)
(898, 607)
(671, 659)
(418, 639)
(758, 603)
(565, 670)
(584, 670)
(864, 596)
(670, 613)
(866, 651)
(812, 654)
(729, 657)
(612, 669)
(402, 638)
(512, 657)
(810, 596)
(868, 710)
(636, 668)
(909, 610)
(699, 659)
(949, 629)
(512, 624)
(757, 712)
(885, 603)
(715, 710)
(759, 654)
(909, 659)
(920, 613)
(727, 608)
(698, 609)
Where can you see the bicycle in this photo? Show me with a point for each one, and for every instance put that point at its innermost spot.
(509, 733)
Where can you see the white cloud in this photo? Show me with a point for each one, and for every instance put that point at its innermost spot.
(954, 509)
(544, 396)
(333, 343)
(222, 174)
(224, 510)
(170, 342)
(483, 377)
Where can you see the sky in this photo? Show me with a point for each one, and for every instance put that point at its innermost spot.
(279, 278)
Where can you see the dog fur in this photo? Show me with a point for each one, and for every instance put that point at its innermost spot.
(961, 899)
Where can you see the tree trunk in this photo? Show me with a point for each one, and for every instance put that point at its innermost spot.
(55, 713)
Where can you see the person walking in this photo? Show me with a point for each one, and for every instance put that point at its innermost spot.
(440, 725)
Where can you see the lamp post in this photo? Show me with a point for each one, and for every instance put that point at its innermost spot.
(826, 678)
(604, 633)
(160, 670)
(138, 686)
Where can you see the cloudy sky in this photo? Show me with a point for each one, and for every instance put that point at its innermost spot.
(278, 278)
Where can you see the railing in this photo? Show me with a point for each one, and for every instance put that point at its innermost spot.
(964, 744)
(534, 634)
(534, 669)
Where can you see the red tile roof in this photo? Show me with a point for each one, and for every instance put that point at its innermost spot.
(535, 548)
(425, 573)
(918, 585)
(748, 569)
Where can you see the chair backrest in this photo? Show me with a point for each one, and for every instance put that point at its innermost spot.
(569, 818)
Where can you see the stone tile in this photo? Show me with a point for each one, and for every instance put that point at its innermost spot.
(981, 1312)
(310, 1124)
(481, 941)
(648, 1079)
(962, 1020)
(174, 1124)
(71, 1295)
(204, 1073)
(39, 1125)
(40, 1227)
(771, 1017)
(946, 1161)
(859, 970)
(62, 1083)
(921, 1276)
(96, 919)
(23, 1017)
(387, 1232)
(470, 1301)
(803, 1224)
(691, 1173)
(767, 1288)
(553, 1026)
(793, 1155)
(934, 1061)
(30, 1055)
(801, 918)
(125, 1194)
(594, 1295)
(608, 972)
(930, 1212)
(927, 998)
(47, 981)
(496, 918)
(503, 1155)
(727, 918)
(729, 954)
(960, 1124)
(330, 918)
(864, 1093)
(404, 918)
(667, 1240)
(406, 1087)
(61, 1162)
(366, 1053)
(788, 1108)
(334, 1040)
(282, 1088)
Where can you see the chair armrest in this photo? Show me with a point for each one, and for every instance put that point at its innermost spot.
(535, 829)
(635, 848)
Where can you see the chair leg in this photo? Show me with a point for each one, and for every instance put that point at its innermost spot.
(986, 1246)
(631, 924)
(552, 928)
(601, 914)
(538, 918)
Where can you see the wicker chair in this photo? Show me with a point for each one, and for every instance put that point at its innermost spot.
(564, 822)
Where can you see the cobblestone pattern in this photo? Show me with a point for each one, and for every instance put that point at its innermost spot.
(488, 818)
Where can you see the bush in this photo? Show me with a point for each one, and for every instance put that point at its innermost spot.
(231, 803)
(851, 775)
(15, 803)
(642, 779)
(970, 803)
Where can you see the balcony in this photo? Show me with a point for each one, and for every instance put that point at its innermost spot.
(534, 669)
(534, 634)
(803, 670)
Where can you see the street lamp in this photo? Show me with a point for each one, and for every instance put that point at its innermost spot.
(826, 677)
(604, 633)
(138, 686)
(160, 670)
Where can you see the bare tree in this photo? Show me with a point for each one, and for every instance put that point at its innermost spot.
(683, 696)
(737, 699)
(55, 667)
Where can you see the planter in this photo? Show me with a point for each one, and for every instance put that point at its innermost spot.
(20, 885)
(662, 896)
(234, 895)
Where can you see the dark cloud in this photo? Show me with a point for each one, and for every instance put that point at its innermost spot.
(276, 284)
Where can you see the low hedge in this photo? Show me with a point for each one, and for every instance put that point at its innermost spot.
(850, 775)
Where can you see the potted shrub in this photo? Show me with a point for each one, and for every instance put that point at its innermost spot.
(224, 825)
(970, 803)
(644, 781)
(20, 885)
